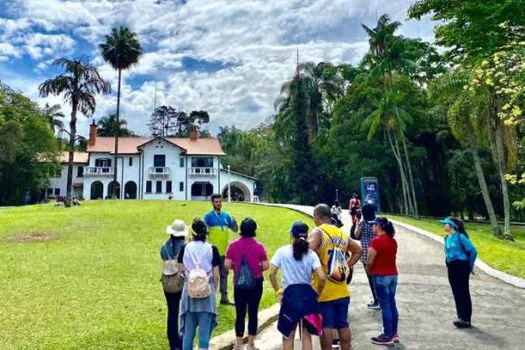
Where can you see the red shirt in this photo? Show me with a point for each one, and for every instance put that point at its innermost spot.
(253, 251)
(385, 261)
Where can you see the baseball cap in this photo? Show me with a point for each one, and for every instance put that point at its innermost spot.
(299, 229)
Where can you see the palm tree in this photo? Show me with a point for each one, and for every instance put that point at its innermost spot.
(79, 84)
(107, 126)
(52, 115)
(121, 50)
(466, 117)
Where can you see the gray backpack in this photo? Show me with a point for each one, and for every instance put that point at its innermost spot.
(172, 274)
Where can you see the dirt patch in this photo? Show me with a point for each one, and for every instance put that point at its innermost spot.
(29, 237)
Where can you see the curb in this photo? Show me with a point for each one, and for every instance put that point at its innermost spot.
(227, 340)
(480, 264)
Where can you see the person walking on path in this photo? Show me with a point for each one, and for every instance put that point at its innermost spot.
(298, 298)
(198, 306)
(460, 255)
(173, 280)
(247, 257)
(382, 266)
(353, 206)
(331, 243)
(219, 223)
(365, 233)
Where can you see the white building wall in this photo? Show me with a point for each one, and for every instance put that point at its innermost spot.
(213, 178)
(176, 172)
(105, 179)
(246, 184)
(61, 182)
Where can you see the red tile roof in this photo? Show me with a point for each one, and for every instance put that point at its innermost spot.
(78, 157)
(129, 145)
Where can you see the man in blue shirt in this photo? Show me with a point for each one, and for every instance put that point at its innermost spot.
(219, 225)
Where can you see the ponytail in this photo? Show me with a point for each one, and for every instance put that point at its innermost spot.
(300, 248)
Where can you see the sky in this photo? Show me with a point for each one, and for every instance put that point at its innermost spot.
(229, 58)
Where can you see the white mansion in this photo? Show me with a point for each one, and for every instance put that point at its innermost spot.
(152, 168)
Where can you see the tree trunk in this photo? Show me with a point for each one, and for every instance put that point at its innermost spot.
(482, 182)
(72, 136)
(114, 192)
(401, 172)
(499, 155)
(411, 178)
(410, 208)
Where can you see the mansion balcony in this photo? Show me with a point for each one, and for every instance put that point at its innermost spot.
(203, 171)
(98, 171)
(159, 171)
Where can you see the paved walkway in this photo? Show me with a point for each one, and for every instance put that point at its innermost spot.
(426, 307)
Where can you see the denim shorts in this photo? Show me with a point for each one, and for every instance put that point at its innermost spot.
(335, 313)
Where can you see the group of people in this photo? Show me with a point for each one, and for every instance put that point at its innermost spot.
(315, 269)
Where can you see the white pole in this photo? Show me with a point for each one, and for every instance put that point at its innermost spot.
(229, 181)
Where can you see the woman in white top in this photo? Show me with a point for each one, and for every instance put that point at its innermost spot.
(337, 210)
(199, 313)
(298, 298)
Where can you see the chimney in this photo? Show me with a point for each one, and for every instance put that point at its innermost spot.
(193, 134)
(92, 134)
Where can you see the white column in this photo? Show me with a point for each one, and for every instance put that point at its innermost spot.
(229, 181)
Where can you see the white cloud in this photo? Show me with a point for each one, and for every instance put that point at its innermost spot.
(256, 39)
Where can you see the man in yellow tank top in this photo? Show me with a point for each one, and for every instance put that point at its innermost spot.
(331, 243)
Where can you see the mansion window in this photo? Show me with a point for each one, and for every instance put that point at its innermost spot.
(148, 186)
(181, 186)
(158, 187)
(80, 171)
(202, 162)
(168, 187)
(159, 160)
(103, 163)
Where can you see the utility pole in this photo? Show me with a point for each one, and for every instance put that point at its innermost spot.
(229, 181)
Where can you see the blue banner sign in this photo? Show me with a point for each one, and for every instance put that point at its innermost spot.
(370, 192)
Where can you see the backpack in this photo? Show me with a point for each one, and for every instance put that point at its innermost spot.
(245, 278)
(172, 274)
(198, 283)
(338, 269)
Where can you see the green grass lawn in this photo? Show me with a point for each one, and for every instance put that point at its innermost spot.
(501, 255)
(95, 283)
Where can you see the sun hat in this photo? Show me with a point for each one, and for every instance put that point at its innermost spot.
(177, 229)
(299, 229)
(448, 220)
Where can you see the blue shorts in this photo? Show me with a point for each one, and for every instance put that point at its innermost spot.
(335, 313)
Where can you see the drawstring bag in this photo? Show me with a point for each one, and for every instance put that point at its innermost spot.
(245, 278)
(338, 269)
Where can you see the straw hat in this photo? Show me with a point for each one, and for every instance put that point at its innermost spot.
(177, 229)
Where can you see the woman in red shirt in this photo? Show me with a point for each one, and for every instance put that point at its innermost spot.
(381, 266)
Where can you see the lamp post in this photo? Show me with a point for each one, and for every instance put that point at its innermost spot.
(229, 181)
(337, 194)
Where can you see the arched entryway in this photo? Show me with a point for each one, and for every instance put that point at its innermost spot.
(110, 189)
(97, 190)
(239, 192)
(130, 190)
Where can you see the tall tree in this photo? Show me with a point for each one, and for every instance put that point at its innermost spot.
(501, 22)
(53, 115)
(162, 121)
(121, 50)
(79, 83)
(467, 120)
(107, 126)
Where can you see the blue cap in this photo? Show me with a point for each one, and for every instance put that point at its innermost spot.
(299, 229)
(448, 220)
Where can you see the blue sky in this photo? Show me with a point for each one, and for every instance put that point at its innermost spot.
(227, 57)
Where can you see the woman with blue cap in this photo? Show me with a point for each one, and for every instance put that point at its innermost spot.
(460, 255)
(298, 297)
